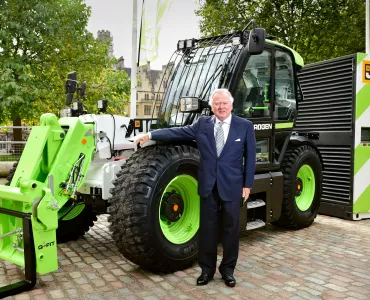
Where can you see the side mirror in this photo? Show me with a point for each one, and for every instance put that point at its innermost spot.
(256, 42)
(71, 85)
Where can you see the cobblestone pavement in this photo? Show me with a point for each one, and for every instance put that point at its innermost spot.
(329, 260)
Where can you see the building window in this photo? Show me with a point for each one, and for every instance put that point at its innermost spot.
(157, 110)
(147, 109)
(137, 109)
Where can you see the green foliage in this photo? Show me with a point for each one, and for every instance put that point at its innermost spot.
(114, 86)
(40, 42)
(318, 30)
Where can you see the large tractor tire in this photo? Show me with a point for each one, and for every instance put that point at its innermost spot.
(74, 224)
(155, 208)
(302, 172)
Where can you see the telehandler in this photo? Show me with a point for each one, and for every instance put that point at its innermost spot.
(81, 165)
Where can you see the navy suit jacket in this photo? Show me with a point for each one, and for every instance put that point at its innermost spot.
(227, 170)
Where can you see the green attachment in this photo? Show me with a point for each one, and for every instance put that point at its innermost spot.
(184, 189)
(305, 187)
(51, 152)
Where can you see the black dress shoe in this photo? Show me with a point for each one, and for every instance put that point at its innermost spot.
(229, 280)
(204, 278)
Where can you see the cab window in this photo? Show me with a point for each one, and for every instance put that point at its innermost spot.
(285, 94)
(252, 96)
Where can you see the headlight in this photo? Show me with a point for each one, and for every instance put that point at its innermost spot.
(188, 104)
(66, 112)
(180, 45)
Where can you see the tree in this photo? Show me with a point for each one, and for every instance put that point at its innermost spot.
(318, 29)
(40, 42)
(114, 86)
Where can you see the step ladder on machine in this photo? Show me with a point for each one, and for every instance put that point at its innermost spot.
(252, 205)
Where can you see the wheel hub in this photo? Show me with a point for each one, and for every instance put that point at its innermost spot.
(172, 207)
(299, 187)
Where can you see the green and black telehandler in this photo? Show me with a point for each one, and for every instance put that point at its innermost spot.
(81, 165)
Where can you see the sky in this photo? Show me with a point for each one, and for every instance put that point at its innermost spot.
(116, 16)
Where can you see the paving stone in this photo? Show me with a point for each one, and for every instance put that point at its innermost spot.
(57, 294)
(289, 289)
(315, 280)
(357, 295)
(335, 287)
(328, 260)
(22, 297)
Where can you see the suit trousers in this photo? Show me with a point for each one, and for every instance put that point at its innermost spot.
(215, 214)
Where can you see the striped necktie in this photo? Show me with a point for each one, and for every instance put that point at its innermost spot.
(219, 138)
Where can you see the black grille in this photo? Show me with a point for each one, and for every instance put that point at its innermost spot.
(327, 92)
(327, 108)
(336, 174)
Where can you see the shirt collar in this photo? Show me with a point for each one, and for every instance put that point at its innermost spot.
(226, 121)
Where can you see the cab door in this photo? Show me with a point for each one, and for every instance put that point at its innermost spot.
(285, 96)
(253, 100)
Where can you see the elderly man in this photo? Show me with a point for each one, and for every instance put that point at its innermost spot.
(223, 141)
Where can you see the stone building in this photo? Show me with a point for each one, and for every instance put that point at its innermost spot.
(104, 35)
(150, 87)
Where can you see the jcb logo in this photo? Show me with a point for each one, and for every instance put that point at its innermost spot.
(262, 126)
(366, 71)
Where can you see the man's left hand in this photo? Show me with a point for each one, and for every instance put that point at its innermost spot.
(246, 192)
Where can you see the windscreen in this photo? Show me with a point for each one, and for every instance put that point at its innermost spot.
(194, 72)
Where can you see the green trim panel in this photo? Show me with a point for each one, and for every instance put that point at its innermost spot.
(360, 57)
(256, 108)
(284, 125)
(362, 100)
(362, 155)
(297, 57)
(362, 203)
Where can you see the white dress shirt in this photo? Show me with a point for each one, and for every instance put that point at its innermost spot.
(225, 127)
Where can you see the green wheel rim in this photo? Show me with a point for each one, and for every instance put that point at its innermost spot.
(307, 176)
(72, 214)
(186, 227)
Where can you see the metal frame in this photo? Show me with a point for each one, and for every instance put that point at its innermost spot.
(29, 257)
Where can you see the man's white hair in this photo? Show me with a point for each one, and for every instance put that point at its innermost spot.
(220, 91)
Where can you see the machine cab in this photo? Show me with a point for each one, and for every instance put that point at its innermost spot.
(265, 92)
(260, 74)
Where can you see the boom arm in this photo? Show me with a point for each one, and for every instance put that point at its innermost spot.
(50, 171)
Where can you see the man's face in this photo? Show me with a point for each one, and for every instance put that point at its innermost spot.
(221, 106)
